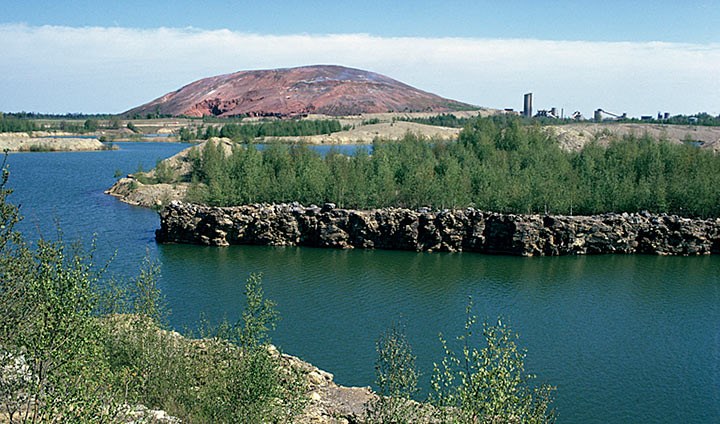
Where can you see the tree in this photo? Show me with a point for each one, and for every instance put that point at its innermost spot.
(251, 385)
(396, 378)
(90, 125)
(489, 384)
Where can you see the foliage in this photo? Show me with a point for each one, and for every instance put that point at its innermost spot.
(12, 124)
(442, 120)
(48, 324)
(250, 383)
(396, 379)
(249, 131)
(498, 164)
(701, 118)
(90, 125)
(482, 384)
(488, 385)
(163, 172)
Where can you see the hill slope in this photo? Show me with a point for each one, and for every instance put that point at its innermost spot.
(321, 89)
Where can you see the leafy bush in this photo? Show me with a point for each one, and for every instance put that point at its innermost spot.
(488, 385)
(485, 384)
(396, 379)
(163, 172)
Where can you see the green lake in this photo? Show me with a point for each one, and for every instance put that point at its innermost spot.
(623, 338)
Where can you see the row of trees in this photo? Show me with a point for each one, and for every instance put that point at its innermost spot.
(11, 123)
(442, 120)
(498, 164)
(248, 132)
(450, 120)
(701, 118)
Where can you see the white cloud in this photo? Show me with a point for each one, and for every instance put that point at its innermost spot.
(64, 69)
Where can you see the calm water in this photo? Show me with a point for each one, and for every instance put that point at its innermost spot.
(624, 338)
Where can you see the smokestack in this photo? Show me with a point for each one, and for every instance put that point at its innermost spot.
(527, 108)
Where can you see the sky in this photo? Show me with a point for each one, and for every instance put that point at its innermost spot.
(640, 57)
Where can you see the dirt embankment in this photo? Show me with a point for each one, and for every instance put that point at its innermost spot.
(368, 133)
(22, 142)
(575, 136)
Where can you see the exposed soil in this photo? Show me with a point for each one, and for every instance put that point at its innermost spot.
(322, 89)
(576, 136)
(22, 142)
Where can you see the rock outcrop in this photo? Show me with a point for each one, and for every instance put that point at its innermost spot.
(448, 231)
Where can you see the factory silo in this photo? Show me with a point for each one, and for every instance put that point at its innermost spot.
(527, 105)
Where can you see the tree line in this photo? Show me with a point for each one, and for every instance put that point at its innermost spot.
(250, 131)
(498, 164)
(442, 120)
(9, 123)
(14, 123)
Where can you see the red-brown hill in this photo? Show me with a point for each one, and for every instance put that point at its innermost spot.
(320, 89)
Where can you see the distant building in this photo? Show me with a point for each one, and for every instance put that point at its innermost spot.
(597, 116)
(552, 113)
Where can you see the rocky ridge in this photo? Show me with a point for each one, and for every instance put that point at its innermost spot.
(448, 231)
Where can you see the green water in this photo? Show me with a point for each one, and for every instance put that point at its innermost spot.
(624, 338)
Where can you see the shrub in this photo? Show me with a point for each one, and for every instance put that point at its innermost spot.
(396, 379)
(488, 385)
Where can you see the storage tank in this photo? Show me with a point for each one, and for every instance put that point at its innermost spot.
(527, 105)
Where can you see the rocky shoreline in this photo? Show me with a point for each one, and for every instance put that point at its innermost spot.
(468, 230)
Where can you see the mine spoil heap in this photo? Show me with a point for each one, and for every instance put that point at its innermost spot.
(448, 230)
(320, 89)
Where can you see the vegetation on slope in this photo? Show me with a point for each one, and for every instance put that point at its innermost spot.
(498, 164)
(443, 120)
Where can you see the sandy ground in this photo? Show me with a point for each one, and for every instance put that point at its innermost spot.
(575, 136)
(367, 133)
(22, 142)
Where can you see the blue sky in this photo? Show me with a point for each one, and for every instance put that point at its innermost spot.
(659, 20)
(638, 57)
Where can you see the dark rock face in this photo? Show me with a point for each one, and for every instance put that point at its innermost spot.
(447, 231)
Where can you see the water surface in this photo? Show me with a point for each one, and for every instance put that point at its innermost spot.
(624, 338)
